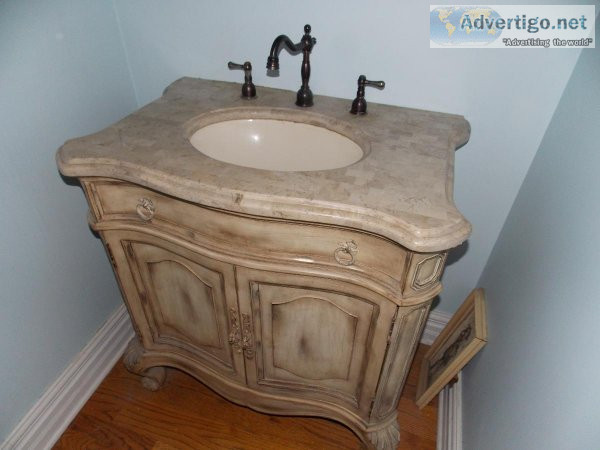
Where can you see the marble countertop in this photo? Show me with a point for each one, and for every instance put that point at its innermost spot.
(402, 189)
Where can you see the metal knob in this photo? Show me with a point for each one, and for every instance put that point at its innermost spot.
(359, 105)
(248, 88)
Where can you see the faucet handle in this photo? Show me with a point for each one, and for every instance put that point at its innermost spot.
(377, 84)
(233, 65)
(359, 105)
(248, 88)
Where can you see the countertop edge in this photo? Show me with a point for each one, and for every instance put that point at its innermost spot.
(364, 219)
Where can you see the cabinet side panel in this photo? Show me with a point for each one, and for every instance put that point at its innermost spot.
(403, 344)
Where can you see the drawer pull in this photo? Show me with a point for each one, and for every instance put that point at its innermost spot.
(145, 209)
(345, 253)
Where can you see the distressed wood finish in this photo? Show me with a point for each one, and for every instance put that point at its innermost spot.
(185, 300)
(285, 317)
(116, 204)
(322, 338)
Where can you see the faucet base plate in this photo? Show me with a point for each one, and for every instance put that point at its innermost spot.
(304, 97)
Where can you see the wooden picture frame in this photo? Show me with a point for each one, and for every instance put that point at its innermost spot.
(461, 339)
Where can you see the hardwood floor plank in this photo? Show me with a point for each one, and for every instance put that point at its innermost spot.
(185, 414)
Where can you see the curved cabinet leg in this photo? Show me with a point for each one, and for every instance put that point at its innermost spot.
(152, 378)
(386, 438)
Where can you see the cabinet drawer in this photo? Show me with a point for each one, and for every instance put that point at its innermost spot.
(263, 238)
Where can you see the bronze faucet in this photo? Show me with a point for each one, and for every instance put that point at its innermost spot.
(304, 96)
(359, 105)
(248, 88)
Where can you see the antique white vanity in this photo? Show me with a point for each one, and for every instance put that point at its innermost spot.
(300, 287)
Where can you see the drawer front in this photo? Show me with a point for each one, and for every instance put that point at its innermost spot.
(113, 200)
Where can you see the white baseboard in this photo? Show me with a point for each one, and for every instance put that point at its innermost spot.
(435, 324)
(53, 412)
(449, 429)
(41, 427)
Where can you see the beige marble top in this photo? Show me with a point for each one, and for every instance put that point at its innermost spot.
(402, 188)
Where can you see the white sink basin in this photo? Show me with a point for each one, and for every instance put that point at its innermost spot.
(273, 144)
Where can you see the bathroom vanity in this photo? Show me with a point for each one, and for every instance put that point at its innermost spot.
(284, 286)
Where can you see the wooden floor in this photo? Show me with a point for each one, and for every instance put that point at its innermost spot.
(185, 414)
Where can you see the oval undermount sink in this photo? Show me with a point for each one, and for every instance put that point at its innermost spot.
(273, 144)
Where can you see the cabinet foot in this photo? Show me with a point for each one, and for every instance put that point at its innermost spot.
(152, 378)
(386, 438)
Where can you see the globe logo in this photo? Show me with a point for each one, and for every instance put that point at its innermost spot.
(463, 25)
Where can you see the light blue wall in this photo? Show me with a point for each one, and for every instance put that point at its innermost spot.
(508, 96)
(535, 384)
(62, 74)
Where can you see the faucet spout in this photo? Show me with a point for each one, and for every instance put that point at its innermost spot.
(304, 96)
(281, 41)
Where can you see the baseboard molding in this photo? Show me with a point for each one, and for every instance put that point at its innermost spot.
(41, 427)
(435, 324)
(449, 429)
(53, 412)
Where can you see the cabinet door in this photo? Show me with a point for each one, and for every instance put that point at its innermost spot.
(313, 337)
(186, 303)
